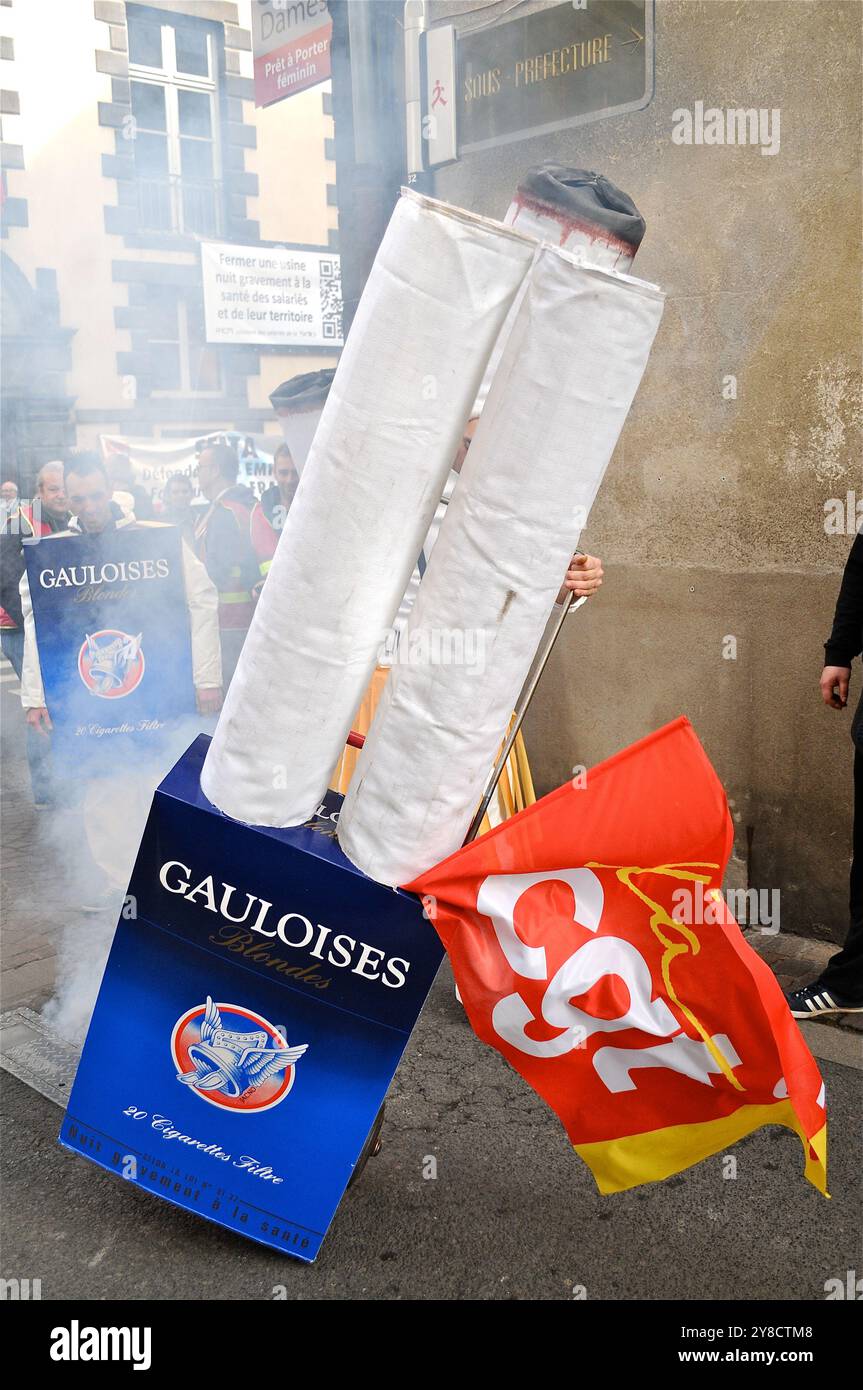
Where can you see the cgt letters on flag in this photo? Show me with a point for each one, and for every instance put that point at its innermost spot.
(657, 1041)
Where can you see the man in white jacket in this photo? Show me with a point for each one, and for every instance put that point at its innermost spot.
(89, 494)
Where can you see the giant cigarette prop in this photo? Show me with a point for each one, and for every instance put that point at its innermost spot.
(434, 303)
(567, 377)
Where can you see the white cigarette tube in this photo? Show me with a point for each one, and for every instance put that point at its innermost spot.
(434, 303)
(569, 371)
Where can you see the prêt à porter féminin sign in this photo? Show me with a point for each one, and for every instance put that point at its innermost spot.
(557, 67)
(290, 47)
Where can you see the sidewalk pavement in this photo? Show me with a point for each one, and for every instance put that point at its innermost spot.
(797, 961)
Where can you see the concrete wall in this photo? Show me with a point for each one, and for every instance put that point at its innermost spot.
(711, 522)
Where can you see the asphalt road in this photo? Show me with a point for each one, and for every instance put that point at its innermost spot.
(511, 1214)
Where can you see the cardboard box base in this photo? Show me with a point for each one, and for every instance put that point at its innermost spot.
(258, 996)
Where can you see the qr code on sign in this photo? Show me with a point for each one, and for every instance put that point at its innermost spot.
(331, 300)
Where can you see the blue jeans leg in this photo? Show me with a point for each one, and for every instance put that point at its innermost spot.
(12, 644)
(38, 745)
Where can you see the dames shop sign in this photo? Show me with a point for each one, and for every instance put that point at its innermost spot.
(291, 47)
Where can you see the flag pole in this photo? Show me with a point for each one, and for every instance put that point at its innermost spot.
(528, 691)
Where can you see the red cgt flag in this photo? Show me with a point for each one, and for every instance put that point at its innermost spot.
(592, 947)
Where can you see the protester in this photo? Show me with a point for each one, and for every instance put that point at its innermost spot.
(223, 543)
(89, 493)
(8, 492)
(105, 802)
(270, 513)
(51, 496)
(23, 525)
(839, 988)
(177, 509)
(133, 500)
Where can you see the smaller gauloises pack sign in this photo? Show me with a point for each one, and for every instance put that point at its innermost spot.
(290, 46)
(251, 1017)
(112, 629)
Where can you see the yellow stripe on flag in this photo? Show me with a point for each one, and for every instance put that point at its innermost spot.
(618, 1164)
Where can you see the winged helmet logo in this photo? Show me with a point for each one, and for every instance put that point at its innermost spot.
(237, 1067)
(111, 663)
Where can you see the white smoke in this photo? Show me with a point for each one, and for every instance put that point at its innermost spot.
(96, 846)
(81, 957)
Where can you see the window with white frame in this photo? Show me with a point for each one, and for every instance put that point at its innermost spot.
(181, 362)
(173, 68)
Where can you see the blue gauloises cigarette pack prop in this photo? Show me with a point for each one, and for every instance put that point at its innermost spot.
(251, 1017)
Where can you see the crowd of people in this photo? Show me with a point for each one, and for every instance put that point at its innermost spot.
(229, 538)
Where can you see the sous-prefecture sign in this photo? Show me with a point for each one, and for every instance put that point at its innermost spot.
(275, 295)
(553, 69)
(290, 46)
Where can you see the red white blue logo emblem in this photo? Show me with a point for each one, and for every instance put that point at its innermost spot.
(232, 1057)
(111, 663)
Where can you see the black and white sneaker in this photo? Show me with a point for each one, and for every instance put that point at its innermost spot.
(813, 1001)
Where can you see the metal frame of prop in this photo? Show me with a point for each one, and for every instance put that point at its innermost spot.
(540, 662)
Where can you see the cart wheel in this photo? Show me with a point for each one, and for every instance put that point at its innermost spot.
(372, 1147)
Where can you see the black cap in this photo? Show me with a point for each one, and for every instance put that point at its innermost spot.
(308, 391)
(584, 196)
